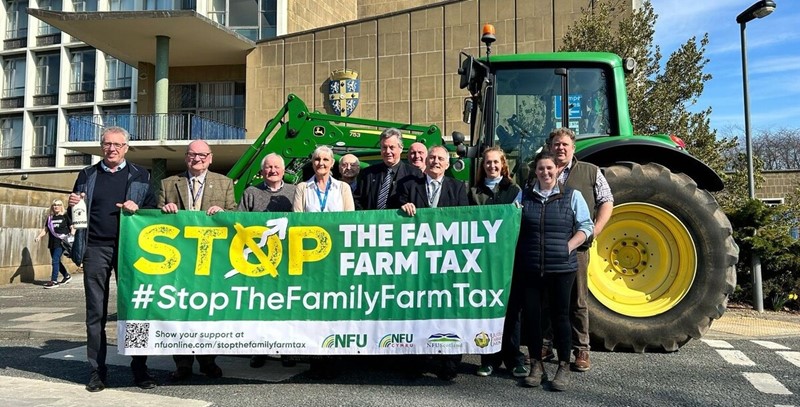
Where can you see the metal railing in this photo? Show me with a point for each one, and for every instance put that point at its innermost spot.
(143, 127)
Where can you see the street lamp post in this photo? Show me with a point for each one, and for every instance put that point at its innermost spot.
(760, 9)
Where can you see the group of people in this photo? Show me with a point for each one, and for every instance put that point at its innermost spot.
(555, 232)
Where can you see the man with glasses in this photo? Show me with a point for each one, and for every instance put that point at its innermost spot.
(196, 189)
(349, 167)
(109, 187)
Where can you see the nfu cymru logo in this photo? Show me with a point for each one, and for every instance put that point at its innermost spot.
(345, 341)
(397, 341)
(444, 340)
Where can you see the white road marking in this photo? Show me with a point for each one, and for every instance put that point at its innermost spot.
(791, 357)
(766, 383)
(42, 317)
(735, 357)
(714, 343)
(770, 345)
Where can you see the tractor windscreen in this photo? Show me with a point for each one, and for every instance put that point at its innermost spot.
(530, 104)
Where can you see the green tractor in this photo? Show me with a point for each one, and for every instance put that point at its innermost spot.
(664, 265)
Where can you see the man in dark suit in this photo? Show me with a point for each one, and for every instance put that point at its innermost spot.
(435, 190)
(200, 190)
(377, 184)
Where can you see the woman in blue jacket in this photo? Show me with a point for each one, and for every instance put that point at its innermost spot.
(555, 221)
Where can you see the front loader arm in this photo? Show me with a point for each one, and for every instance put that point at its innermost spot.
(295, 132)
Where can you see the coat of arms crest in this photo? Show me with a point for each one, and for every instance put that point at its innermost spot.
(343, 89)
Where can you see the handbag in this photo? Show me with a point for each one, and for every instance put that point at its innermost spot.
(66, 244)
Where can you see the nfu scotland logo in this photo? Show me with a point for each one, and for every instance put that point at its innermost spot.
(397, 341)
(345, 341)
(343, 88)
(444, 340)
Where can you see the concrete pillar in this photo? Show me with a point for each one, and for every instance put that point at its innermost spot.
(161, 102)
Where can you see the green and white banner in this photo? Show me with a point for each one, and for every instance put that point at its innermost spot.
(365, 282)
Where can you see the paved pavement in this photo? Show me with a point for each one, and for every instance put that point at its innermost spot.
(56, 316)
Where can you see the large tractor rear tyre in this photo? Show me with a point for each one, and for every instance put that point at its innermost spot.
(664, 266)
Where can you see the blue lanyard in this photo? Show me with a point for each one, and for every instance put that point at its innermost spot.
(323, 200)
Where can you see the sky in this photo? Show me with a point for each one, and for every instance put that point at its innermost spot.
(773, 59)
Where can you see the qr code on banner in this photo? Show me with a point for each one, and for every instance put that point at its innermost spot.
(136, 334)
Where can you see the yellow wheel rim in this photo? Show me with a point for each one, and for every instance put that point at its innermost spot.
(643, 263)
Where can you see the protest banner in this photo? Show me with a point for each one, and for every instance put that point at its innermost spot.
(364, 282)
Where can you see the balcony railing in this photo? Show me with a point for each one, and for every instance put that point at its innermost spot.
(143, 127)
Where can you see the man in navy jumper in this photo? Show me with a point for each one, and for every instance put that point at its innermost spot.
(109, 187)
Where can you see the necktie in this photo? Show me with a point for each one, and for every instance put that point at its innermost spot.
(433, 196)
(196, 201)
(383, 193)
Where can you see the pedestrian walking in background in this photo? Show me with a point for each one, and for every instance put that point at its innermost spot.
(57, 228)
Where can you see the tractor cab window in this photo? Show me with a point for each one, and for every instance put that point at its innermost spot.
(530, 105)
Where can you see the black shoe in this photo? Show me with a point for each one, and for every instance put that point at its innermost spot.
(180, 374)
(96, 383)
(143, 380)
(448, 371)
(212, 371)
(257, 361)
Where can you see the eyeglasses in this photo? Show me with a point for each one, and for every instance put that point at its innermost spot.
(107, 145)
(348, 165)
(201, 156)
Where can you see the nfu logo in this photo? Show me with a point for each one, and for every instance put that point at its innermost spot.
(397, 341)
(345, 341)
(444, 340)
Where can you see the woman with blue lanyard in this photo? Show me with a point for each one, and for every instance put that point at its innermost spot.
(322, 192)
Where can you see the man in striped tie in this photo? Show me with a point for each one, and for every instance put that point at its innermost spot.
(377, 184)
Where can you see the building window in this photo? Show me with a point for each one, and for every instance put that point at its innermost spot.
(47, 66)
(10, 137)
(84, 5)
(14, 77)
(216, 11)
(17, 19)
(44, 28)
(243, 17)
(44, 139)
(162, 4)
(121, 5)
(82, 70)
(269, 19)
(252, 19)
(220, 101)
(118, 73)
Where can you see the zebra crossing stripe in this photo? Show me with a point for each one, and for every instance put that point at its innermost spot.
(770, 345)
(735, 357)
(791, 357)
(766, 383)
(717, 344)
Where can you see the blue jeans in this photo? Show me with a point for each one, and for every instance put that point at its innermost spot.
(56, 253)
